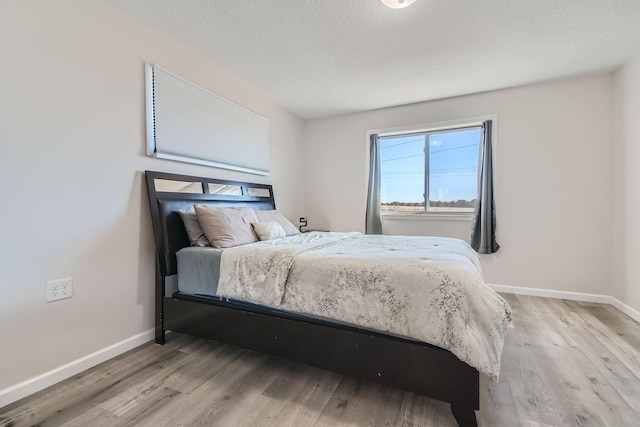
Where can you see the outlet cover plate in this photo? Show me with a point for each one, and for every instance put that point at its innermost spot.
(59, 289)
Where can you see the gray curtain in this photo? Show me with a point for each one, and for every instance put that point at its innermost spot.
(373, 224)
(483, 232)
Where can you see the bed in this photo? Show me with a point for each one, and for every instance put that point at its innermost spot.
(344, 347)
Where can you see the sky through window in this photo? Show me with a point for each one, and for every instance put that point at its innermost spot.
(452, 166)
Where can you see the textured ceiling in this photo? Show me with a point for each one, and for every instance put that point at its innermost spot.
(324, 57)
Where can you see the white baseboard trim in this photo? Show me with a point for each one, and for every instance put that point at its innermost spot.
(40, 382)
(550, 293)
(626, 309)
(573, 296)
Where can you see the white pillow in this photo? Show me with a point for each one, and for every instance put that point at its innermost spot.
(268, 230)
(226, 227)
(266, 216)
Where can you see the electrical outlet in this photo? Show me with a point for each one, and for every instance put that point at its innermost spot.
(59, 289)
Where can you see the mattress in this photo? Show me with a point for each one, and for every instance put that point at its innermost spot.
(199, 270)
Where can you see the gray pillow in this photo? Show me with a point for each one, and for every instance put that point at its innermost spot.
(227, 227)
(194, 230)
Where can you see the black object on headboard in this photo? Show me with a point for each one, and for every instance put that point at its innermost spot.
(171, 193)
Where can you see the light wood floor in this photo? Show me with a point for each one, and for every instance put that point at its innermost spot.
(564, 363)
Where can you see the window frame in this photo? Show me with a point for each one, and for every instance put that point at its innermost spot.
(426, 129)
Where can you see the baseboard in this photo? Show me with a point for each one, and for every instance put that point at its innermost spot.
(35, 384)
(550, 293)
(573, 296)
(626, 309)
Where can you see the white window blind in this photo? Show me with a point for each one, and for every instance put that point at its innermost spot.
(188, 123)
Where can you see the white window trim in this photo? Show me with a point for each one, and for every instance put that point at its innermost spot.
(430, 127)
(429, 216)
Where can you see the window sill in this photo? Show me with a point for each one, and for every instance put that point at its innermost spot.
(403, 216)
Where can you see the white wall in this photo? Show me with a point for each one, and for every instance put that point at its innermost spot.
(73, 203)
(626, 184)
(553, 171)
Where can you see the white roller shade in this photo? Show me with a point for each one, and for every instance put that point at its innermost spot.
(188, 123)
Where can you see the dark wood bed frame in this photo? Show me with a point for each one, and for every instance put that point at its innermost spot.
(368, 355)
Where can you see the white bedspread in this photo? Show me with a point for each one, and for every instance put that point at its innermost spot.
(426, 288)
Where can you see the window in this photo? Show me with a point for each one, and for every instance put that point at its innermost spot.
(432, 171)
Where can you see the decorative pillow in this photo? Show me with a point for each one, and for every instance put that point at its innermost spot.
(226, 227)
(266, 216)
(268, 230)
(194, 230)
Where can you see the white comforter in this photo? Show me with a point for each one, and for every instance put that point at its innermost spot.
(426, 288)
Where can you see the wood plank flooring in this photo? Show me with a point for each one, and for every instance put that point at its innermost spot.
(565, 363)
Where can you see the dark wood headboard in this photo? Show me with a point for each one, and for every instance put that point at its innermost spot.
(171, 193)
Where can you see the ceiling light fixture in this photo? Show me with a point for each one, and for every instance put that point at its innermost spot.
(397, 4)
